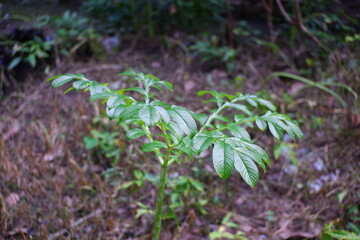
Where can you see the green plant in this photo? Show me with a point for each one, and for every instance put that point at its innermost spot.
(209, 51)
(330, 233)
(246, 33)
(288, 150)
(133, 16)
(172, 131)
(30, 52)
(105, 143)
(222, 233)
(185, 192)
(321, 85)
(72, 31)
(140, 177)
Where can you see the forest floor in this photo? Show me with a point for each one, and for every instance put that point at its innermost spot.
(53, 187)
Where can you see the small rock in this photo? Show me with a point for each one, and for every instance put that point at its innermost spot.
(155, 64)
(12, 199)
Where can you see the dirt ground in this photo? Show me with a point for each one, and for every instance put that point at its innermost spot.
(52, 187)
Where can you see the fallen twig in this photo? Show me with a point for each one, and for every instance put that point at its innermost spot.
(76, 223)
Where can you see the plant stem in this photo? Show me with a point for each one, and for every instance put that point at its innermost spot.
(149, 136)
(160, 200)
(213, 116)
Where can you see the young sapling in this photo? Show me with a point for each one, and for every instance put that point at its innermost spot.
(184, 132)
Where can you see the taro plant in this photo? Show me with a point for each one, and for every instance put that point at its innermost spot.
(172, 131)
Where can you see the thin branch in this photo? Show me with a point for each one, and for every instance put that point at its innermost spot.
(269, 7)
(302, 26)
(284, 13)
(299, 23)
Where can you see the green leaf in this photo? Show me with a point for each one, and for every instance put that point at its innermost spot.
(343, 235)
(62, 79)
(247, 169)
(149, 115)
(240, 107)
(261, 124)
(175, 130)
(128, 73)
(124, 185)
(32, 60)
(213, 93)
(223, 118)
(277, 150)
(196, 184)
(252, 102)
(202, 118)
(223, 159)
(201, 142)
(267, 104)
(257, 149)
(159, 103)
(135, 133)
(97, 88)
(239, 132)
(274, 131)
(90, 143)
(115, 112)
(80, 84)
(239, 118)
(152, 146)
(166, 84)
(131, 112)
(254, 156)
(185, 149)
(184, 119)
(295, 129)
(163, 114)
(98, 96)
(115, 101)
(14, 63)
(137, 89)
